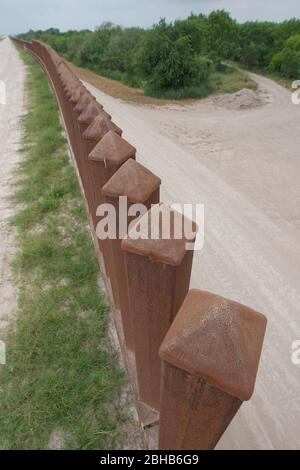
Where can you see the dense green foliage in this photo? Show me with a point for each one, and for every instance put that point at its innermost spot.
(182, 55)
(272, 47)
(289, 58)
(167, 60)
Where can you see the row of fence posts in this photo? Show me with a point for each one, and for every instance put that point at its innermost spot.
(192, 356)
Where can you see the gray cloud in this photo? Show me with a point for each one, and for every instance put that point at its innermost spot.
(21, 15)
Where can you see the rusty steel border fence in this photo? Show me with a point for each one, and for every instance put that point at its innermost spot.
(191, 356)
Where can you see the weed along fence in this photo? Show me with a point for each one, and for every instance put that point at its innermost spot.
(192, 357)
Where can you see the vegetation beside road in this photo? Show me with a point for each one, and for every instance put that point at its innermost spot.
(180, 60)
(170, 61)
(62, 386)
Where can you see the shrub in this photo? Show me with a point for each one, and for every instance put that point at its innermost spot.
(257, 43)
(166, 64)
(276, 62)
(223, 35)
(204, 68)
(291, 57)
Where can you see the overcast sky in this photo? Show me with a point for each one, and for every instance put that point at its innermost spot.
(18, 16)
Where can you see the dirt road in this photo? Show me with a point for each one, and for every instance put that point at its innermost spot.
(12, 74)
(244, 165)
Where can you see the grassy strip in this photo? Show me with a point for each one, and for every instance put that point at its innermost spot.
(285, 82)
(62, 384)
(276, 77)
(231, 80)
(189, 92)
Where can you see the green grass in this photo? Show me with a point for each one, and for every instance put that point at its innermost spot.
(179, 94)
(231, 80)
(283, 81)
(62, 375)
(277, 77)
(195, 91)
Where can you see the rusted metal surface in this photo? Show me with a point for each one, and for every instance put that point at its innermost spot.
(210, 350)
(157, 284)
(194, 414)
(91, 112)
(112, 149)
(77, 94)
(71, 89)
(98, 130)
(139, 185)
(170, 251)
(85, 100)
(210, 359)
(109, 154)
(134, 181)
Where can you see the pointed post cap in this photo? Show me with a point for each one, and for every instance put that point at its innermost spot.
(64, 77)
(62, 67)
(92, 111)
(132, 180)
(71, 88)
(70, 81)
(217, 339)
(161, 236)
(100, 126)
(112, 148)
(79, 92)
(64, 74)
(55, 58)
(85, 99)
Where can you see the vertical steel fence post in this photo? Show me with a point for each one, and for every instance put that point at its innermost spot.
(139, 186)
(158, 273)
(210, 360)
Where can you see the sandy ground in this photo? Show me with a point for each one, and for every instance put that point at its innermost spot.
(243, 163)
(12, 73)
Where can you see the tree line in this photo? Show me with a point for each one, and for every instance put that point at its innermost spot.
(181, 55)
